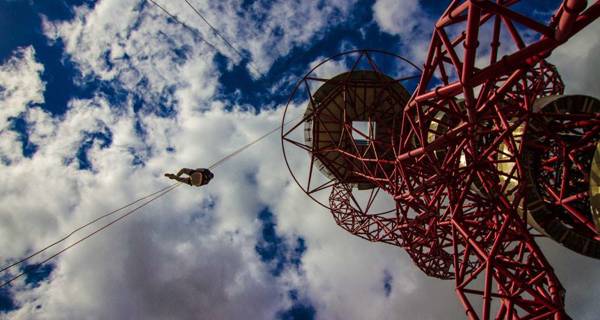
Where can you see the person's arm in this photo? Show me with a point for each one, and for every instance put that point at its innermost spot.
(186, 171)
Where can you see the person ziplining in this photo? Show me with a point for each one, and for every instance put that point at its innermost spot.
(195, 177)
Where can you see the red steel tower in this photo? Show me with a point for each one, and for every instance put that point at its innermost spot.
(485, 154)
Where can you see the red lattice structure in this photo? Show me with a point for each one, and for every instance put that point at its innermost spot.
(486, 152)
(350, 167)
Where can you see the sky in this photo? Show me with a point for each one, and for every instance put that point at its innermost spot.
(99, 98)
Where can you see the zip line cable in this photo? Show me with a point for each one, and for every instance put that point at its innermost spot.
(174, 17)
(224, 39)
(219, 34)
(164, 192)
(238, 52)
(240, 150)
(82, 227)
(155, 195)
(214, 47)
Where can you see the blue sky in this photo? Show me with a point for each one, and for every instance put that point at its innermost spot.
(99, 98)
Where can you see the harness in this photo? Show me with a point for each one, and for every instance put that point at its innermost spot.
(200, 177)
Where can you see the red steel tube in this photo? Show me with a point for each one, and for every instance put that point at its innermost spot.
(570, 11)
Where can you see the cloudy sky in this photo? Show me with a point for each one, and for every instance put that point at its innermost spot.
(99, 98)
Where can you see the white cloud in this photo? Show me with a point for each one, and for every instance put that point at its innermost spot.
(269, 30)
(136, 46)
(100, 38)
(407, 20)
(578, 60)
(180, 257)
(398, 17)
(20, 84)
(210, 269)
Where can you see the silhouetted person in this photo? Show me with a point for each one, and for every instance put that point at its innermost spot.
(194, 177)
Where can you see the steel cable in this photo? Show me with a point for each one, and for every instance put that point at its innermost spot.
(82, 227)
(160, 194)
(174, 17)
(224, 39)
(248, 145)
(215, 31)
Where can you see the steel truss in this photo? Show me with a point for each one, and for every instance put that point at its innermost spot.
(462, 169)
(463, 134)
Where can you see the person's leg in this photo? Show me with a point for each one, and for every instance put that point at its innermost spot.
(185, 180)
(186, 171)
